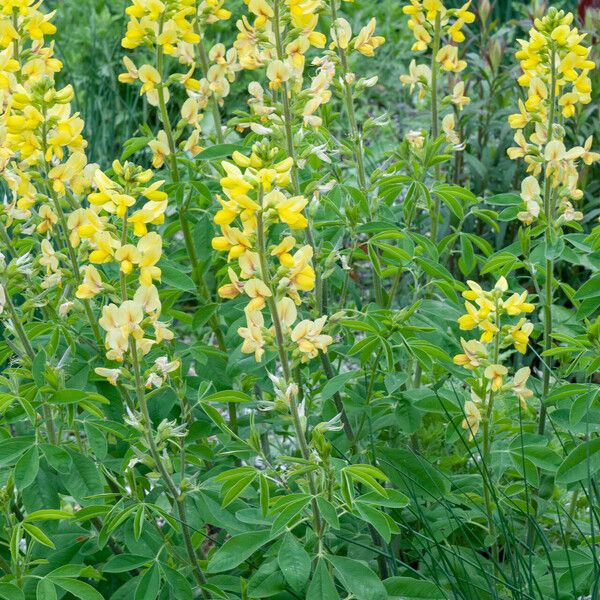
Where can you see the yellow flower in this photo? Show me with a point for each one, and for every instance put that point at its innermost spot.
(519, 386)
(252, 335)
(475, 354)
(149, 248)
(233, 289)
(519, 334)
(49, 219)
(366, 43)
(471, 319)
(258, 291)
(111, 375)
(472, 419)
(517, 304)
(489, 330)
(310, 339)
(233, 240)
(289, 210)
(287, 312)
(91, 284)
(278, 73)
(282, 251)
(495, 374)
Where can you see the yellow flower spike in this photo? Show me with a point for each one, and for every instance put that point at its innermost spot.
(495, 373)
(472, 419)
(517, 304)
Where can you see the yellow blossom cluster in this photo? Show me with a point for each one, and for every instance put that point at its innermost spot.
(115, 229)
(176, 28)
(440, 30)
(255, 200)
(262, 42)
(555, 68)
(493, 315)
(42, 150)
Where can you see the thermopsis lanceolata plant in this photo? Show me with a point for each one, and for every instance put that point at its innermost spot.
(321, 329)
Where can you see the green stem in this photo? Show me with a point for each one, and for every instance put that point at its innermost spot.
(287, 372)
(7, 241)
(358, 147)
(214, 103)
(22, 335)
(435, 126)
(185, 227)
(289, 140)
(486, 452)
(166, 477)
(549, 283)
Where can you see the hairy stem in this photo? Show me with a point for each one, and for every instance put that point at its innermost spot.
(287, 372)
(176, 496)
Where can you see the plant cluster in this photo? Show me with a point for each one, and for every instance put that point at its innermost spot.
(235, 359)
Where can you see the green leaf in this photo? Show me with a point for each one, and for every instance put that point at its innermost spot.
(37, 534)
(149, 585)
(84, 478)
(79, 589)
(8, 591)
(290, 511)
(173, 277)
(228, 396)
(38, 366)
(72, 396)
(48, 514)
(45, 590)
(27, 468)
(180, 586)
(12, 448)
(120, 563)
(582, 461)
(236, 550)
(507, 199)
(335, 384)
(358, 579)
(294, 562)
(58, 458)
(219, 151)
(321, 585)
(408, 588)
